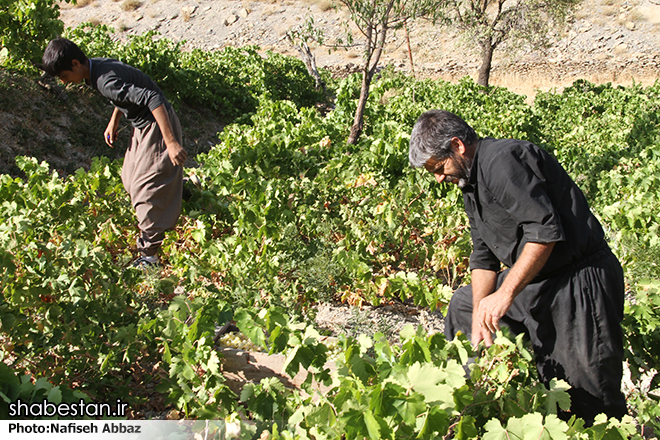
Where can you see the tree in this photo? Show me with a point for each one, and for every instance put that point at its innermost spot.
(374, 18)
(25, 28)
(489, 24)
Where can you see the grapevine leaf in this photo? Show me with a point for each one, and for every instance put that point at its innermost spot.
(495, 431)
(55, 395)
(321, 415)
(213, 363)
(9, 382)
(555, 428)
(427, 380)
(410, 408)
(558, 395)
(353, 423)
(435, 421)
(466, 428)
(407, 332)
(373, 428)
(167, 355)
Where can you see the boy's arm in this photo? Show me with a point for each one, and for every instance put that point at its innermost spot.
(110, 133)
(174, 149)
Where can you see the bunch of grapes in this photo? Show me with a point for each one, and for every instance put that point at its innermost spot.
(238, 341)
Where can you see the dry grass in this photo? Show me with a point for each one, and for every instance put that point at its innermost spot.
(610, 10)
(616, 3)
(269, 10)
(325, 5)
(130, 5)
(582, 14)
(186, 15)
(94, 21)
(637, 16)
(83, 3)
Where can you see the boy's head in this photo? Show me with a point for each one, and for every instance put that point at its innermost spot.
(61, 57)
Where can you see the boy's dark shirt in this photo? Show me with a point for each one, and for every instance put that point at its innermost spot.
(129, 89)
(518, 193)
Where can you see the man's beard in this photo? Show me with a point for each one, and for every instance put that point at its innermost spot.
(462, 176)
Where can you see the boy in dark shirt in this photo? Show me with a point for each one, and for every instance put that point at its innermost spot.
(153, 166)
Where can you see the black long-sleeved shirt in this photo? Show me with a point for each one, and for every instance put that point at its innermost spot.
(127, 88)
(518, 193)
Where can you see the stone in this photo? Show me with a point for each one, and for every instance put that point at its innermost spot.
(190, 10)
(620, 48)
(230, 19)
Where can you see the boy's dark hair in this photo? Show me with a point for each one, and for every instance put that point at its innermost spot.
(59, 55)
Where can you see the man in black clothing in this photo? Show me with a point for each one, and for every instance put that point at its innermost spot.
(563, 286)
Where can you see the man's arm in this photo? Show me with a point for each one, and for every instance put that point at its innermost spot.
(491, 308)
(483, 285)
(110, 133)
(174, 149)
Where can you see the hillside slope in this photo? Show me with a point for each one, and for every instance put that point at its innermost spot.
(607, 40)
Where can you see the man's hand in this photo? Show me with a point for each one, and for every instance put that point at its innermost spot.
(486, 316)
(177, 154)
(491, 309)
(480, 333)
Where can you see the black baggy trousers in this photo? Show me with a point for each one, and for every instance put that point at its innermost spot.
(573, 320)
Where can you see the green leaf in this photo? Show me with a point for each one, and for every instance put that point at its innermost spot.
(466, 428)
(408, 332)
(365, 343)
(495, 431)
(42, 384)
(9, 382)
(167, 356)
(557, 395)
(373, 428)
(434, 424)
(321, 415)
(427, 379)
(555, 428)
(213, 363)
(410, 407)
(55, 395)
(532, 427)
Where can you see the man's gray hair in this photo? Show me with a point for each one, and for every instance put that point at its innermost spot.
(432, 134)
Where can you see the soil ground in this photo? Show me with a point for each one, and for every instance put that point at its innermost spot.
(614, 41)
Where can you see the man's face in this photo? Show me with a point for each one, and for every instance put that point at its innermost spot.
(75, 75)
(454, 169)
